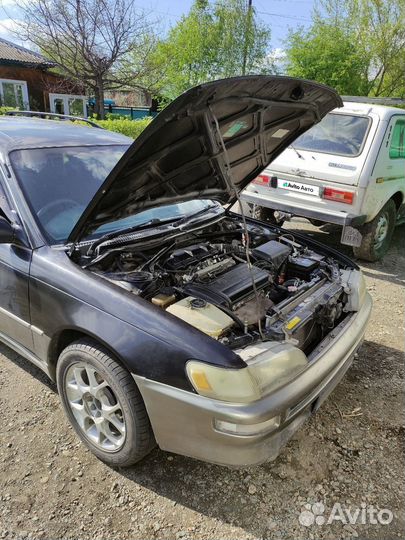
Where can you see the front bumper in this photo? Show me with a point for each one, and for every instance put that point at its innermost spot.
(184, 422)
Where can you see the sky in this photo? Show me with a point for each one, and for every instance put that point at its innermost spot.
(280, 15)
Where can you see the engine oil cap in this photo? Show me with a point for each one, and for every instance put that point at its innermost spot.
(198, 303)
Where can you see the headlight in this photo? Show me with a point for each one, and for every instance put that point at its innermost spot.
(269, 366)
(355, 287)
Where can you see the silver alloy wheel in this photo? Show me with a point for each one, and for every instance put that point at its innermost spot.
(381, 231)
(95, 407)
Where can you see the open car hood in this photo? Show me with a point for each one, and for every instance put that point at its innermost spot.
(180, 156)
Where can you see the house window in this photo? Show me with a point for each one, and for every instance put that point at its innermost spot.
(14, 94)
(68, 104)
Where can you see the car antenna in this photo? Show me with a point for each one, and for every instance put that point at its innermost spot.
(245, 229)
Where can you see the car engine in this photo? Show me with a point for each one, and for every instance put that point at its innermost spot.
(236, 286)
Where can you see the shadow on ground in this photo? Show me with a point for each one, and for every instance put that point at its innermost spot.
(198, 485)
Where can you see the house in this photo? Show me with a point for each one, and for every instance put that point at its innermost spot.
(27, 83)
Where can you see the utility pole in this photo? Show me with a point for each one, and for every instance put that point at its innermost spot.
(248, 24)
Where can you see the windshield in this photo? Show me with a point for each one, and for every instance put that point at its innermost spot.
(59, 183)
(341, 134)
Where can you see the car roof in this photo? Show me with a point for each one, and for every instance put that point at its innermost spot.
(381, 111)
(26, 132)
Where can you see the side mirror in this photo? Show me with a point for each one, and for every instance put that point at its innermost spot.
(7, 232)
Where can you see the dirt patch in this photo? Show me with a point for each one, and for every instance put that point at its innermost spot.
(350, 452)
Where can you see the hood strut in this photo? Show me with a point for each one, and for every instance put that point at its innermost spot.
(234, 192)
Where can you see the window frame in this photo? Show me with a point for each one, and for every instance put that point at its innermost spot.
(26, 104)
(65, 98)
(400, 119)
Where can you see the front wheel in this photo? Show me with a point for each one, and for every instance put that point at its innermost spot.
(377, 234)
(103, 404)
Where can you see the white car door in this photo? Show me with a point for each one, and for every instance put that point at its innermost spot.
(389, 170)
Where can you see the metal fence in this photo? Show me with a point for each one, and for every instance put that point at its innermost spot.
(132, 113)
(396, 102)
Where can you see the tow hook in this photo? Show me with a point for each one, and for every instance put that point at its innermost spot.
(282, 216)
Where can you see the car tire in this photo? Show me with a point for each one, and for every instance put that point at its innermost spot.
(265, 214)
(377, 234)
(103, 404)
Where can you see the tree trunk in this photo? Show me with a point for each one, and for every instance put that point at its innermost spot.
(99, 98)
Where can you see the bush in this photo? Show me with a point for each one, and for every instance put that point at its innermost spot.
(131, 128)
(3, 110)
(115, 116)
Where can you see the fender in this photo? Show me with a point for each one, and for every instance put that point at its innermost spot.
(148, 341)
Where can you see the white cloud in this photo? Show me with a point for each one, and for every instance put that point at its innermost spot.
(9, 12)
(277, 57)
(278, 54)
(8, 4)
(7, 29)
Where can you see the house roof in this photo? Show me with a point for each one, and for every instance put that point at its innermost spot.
(10, 53)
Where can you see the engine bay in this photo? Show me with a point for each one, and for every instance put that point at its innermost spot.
(237, 285)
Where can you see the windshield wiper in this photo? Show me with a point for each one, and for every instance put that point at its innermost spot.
(196, 214)
(150, 223)
(109, 236)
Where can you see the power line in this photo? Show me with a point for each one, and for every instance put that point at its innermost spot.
(284, 16)
(295, 1)
(280, 15)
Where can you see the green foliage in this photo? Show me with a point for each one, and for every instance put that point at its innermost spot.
(115, 116)
(329, 55)
(383, 29)
(130, 128)
(356, 46)
(215, 40)
(4, 110)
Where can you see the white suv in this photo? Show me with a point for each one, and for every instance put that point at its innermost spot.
(348, 169)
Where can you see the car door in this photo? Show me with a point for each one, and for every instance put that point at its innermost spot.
(397, 158)
(389, 170)
(15, 263)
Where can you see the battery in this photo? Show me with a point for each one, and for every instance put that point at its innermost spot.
(301, 267)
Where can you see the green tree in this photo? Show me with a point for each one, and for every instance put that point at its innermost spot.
(357, 46)
(330, 55)
(382, 27)
(215, 40)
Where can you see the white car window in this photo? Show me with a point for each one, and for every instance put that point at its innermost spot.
(341, 134)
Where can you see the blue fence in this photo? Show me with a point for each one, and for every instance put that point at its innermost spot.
(133, 113)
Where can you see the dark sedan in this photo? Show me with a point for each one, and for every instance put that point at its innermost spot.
(163, 316)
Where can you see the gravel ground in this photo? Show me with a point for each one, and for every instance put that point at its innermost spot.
(350, 452)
